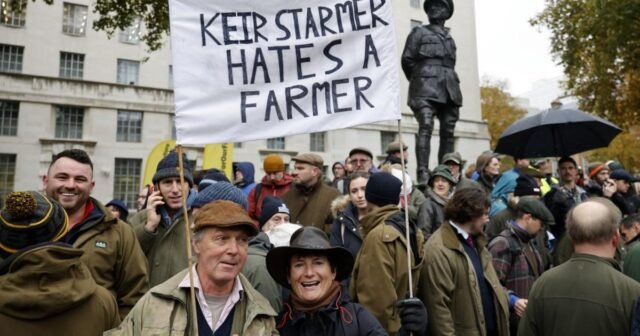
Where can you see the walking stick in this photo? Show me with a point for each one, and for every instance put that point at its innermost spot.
(187, 235)
(406, 212)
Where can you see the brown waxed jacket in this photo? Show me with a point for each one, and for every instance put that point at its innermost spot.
(448, 287)
(113, 256)
(380, 275)
(49, 291)
(311, 207)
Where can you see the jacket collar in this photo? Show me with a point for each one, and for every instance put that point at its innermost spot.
(377, 217)
(608, 261)
(171, 290)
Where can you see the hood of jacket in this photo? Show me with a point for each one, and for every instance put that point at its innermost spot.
(377, 217)
(260, 244)
(340, 204)
(45, 281)
(286, 180)
(248, 172)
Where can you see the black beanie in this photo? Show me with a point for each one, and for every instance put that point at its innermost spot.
(271, 206)
(168, 167)
(526, 186)
(383, 189)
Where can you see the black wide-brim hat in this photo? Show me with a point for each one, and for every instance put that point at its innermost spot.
(304, 241)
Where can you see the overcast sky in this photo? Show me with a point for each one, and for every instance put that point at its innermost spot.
(509, 47)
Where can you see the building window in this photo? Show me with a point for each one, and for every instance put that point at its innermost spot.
(414, 3)
(131, 35)
(129, 126)
(126, 181)
(13, 12)
(71, 65)
(237, 145)
(385, 139)
(11, 58)
(9, 117)
(69, 121)
(171, 76)
(74, 19)
(128, 72)
(275, 143)
(415, 23)
(7, 174)
(317, 141)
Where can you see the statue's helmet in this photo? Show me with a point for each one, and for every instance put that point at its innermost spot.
(447, 3)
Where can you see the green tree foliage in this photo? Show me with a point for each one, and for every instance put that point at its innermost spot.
(498, 108)
(120, 14)
(114, 15)
(598, 44)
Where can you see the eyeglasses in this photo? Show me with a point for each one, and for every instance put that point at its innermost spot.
(360, 161)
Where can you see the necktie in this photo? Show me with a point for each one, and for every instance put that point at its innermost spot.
(470, 241)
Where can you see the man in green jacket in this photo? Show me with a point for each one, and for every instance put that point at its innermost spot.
(380, 275)
(160, 227)
(226, 303)
(630, 232)
(310, 198)
(458, 282)
(587, 295)
(112, 252)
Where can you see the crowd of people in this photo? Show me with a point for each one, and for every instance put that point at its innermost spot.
(472, 251)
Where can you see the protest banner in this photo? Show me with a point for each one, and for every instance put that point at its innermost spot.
(246, 69)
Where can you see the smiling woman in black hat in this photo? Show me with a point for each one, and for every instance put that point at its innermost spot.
(312, 270)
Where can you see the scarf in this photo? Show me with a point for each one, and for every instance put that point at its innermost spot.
(326, 299)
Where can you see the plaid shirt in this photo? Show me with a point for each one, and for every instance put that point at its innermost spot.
(514, 267)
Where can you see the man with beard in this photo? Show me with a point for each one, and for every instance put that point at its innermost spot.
(112, 252)
(310, 198)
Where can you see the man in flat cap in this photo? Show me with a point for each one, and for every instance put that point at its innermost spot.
(515, 258)
(394, 155)
(310, 198)
(226, 303)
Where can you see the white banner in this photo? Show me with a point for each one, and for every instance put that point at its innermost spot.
(249, 69)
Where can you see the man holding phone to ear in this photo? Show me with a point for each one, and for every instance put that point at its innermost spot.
(160, 227)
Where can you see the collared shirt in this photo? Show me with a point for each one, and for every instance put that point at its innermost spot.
(460, 231)
(234, 297)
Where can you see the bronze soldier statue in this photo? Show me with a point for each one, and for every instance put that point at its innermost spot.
(428, 62)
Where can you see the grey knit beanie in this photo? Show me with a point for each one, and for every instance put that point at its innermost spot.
(220, 191)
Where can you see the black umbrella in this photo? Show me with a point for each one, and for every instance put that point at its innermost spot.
(556, 132)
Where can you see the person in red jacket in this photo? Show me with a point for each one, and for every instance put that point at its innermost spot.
(276, 182)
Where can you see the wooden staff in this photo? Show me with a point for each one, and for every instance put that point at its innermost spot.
(187, 235)
(406, 205)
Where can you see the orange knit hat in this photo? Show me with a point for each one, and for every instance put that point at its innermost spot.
(273, 163)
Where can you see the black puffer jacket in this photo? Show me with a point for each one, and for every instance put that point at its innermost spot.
(340, 318)
(344, 230)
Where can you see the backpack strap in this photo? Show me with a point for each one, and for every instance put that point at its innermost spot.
(256, 195)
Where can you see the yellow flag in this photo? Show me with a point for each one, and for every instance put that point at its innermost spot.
(219, 156)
